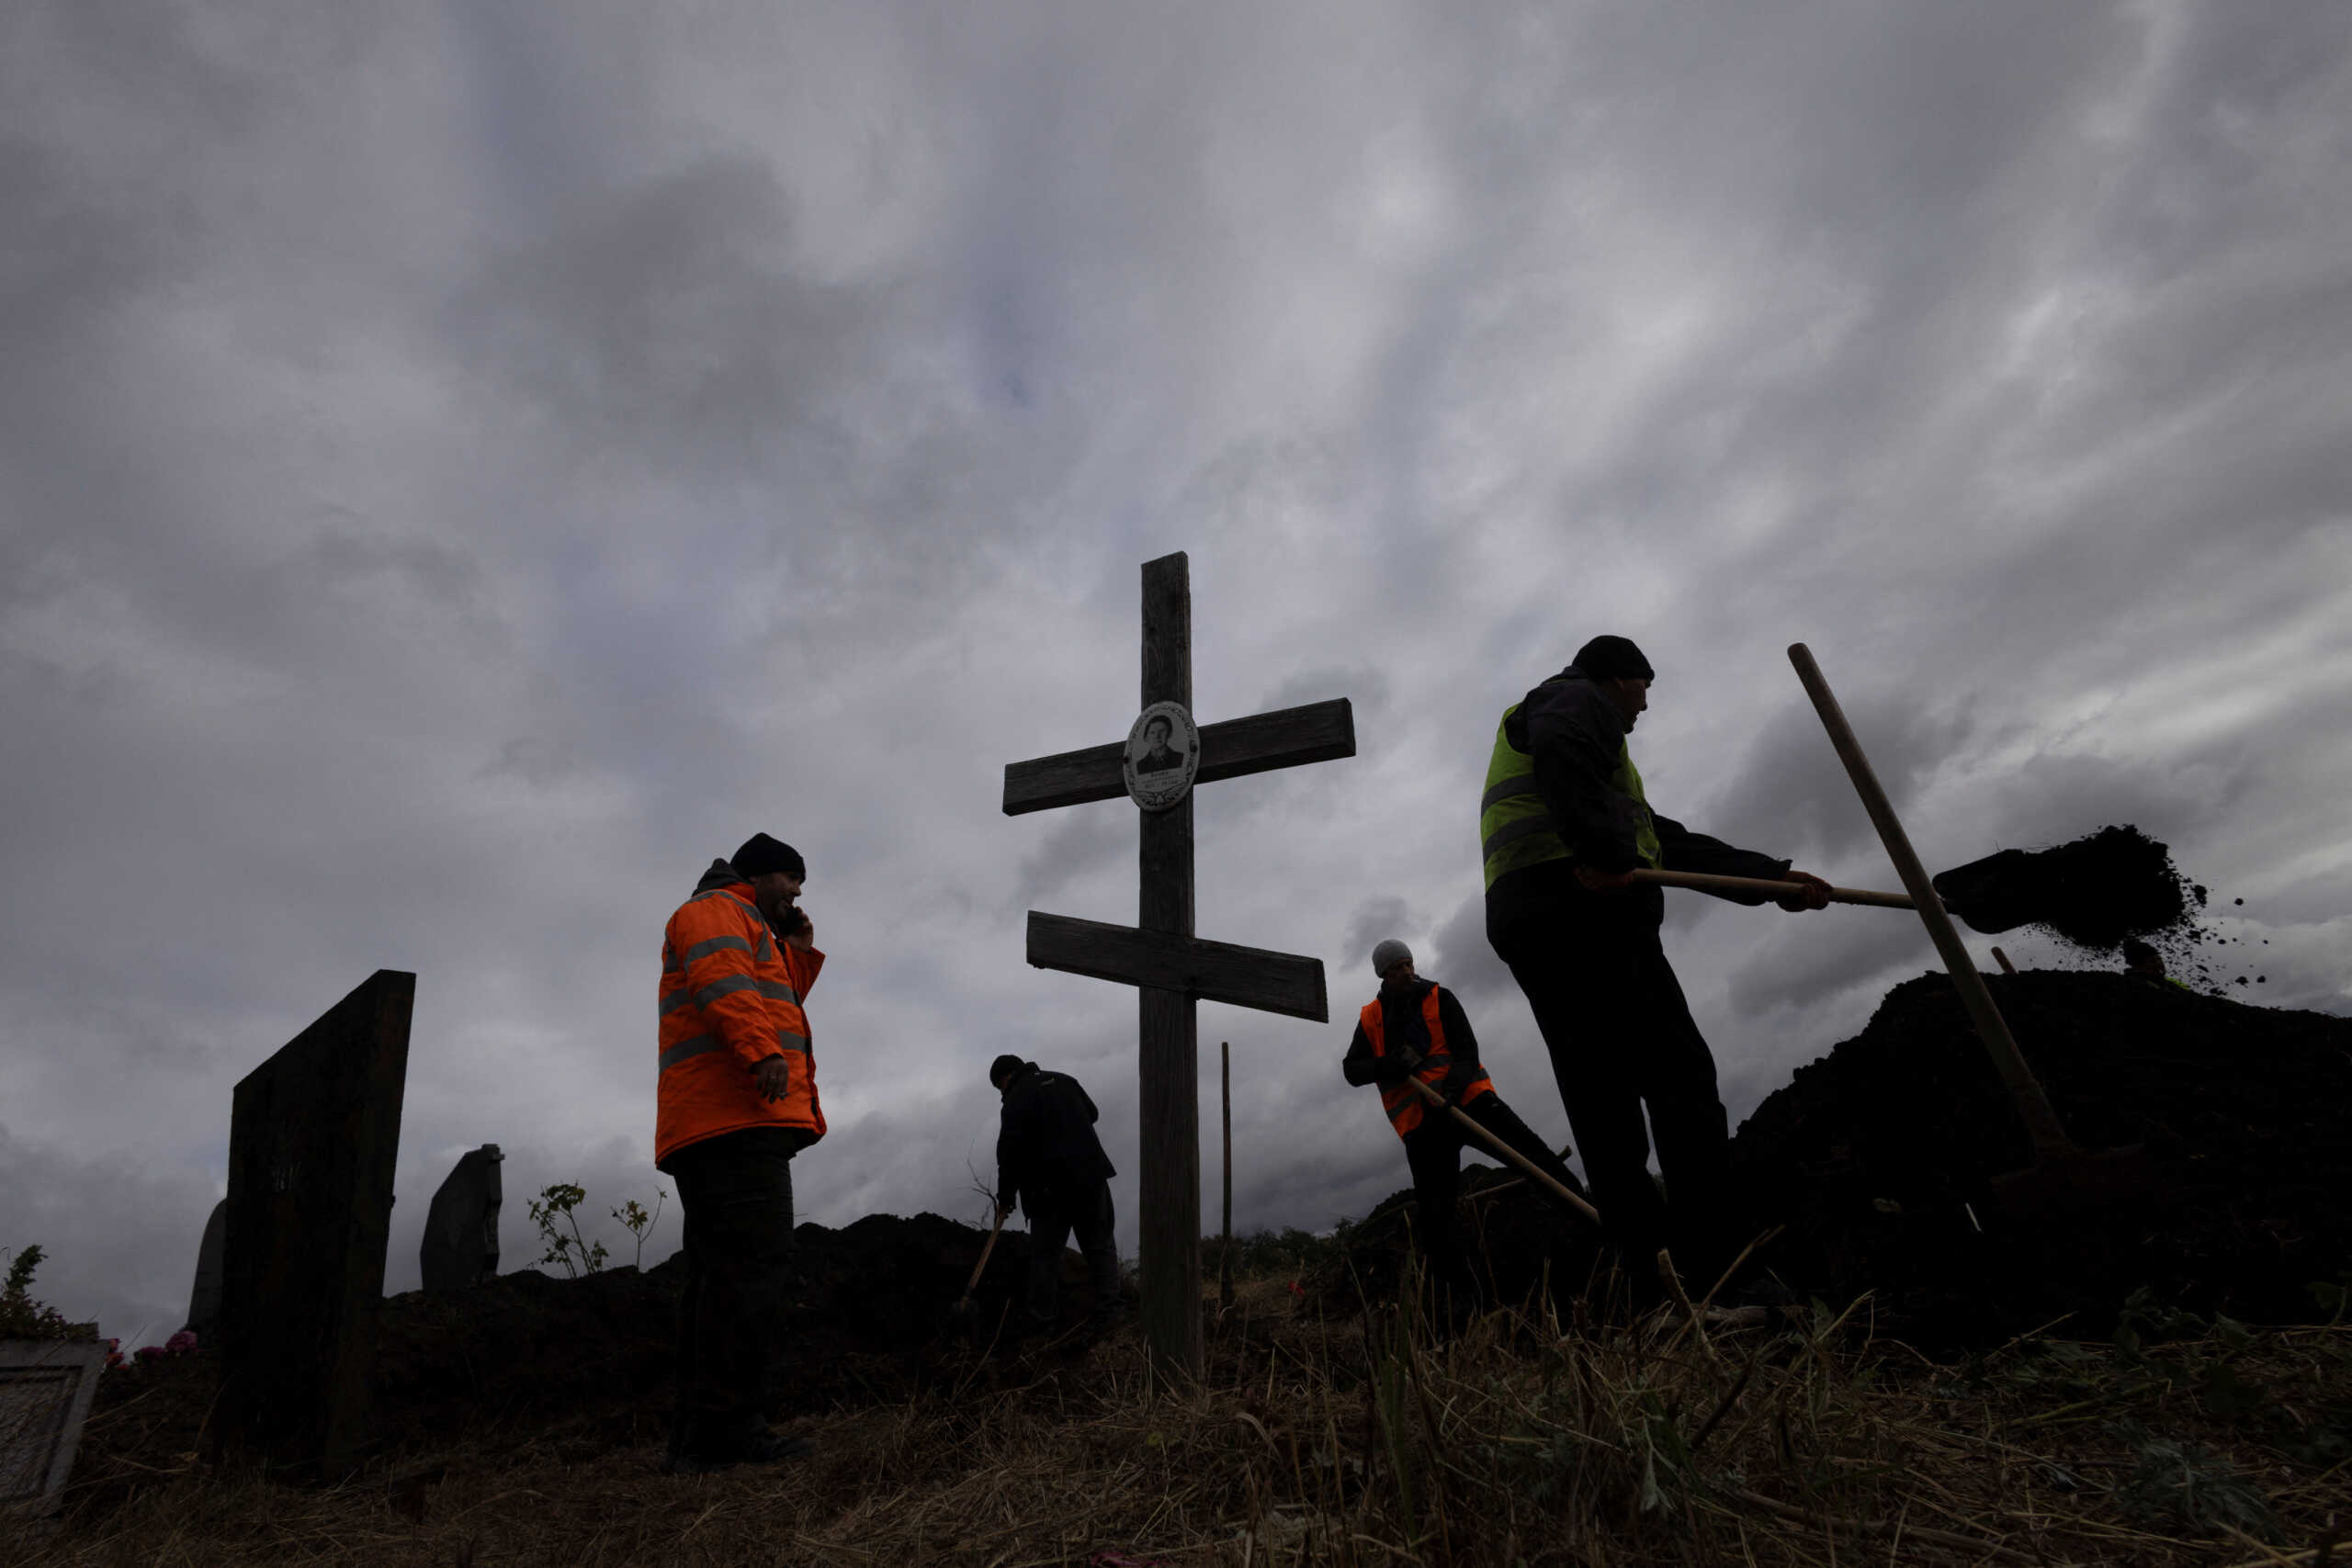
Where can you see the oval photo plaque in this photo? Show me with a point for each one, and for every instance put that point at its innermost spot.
(1163, 753)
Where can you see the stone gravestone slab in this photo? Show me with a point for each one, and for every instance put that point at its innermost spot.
(461, 1246)
(204, 1296)
(45, 1389)
(311, 1143)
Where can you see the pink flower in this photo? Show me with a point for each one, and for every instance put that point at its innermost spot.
(180, 1344)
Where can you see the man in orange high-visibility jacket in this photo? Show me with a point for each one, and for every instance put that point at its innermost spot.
(1416, 1029)
(738, 1100)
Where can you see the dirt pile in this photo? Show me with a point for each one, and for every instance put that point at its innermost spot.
(1875, 1157)
(869, 1321)
(526, 1355)
(1877, 1154)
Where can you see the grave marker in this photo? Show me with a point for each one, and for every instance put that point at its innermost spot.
(1162, 758)
(45, 1389)
(460, 1245)
(312, 1144)
(204, 1294)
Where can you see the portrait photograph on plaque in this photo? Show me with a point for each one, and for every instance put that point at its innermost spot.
(1163, 753)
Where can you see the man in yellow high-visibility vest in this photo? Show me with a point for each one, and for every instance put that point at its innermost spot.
(1564, 824)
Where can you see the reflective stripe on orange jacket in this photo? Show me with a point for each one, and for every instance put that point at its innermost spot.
(730, 998)
(1404, 1106)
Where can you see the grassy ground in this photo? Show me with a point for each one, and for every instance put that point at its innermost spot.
(1522, 1439)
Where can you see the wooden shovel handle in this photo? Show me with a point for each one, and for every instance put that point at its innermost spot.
(1512, 1155)
(1707, 882)
(2042, 1123)
(977, 1268)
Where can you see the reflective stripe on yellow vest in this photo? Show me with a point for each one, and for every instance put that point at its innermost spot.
(1405, 1107)
(1515, 827)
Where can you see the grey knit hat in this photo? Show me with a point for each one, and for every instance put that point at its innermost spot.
(1388, 954)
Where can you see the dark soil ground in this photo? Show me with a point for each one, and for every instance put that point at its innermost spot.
(528, 1358)
(1877, 1155)
(1878, 1159)
(870, 1319)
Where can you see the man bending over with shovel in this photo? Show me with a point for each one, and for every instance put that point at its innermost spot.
(1416, 1030)
(1565, 827)
(1048, 1158)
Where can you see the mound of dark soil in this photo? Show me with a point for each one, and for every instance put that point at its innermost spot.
(528, 1358)
(870, 1320)
(1880, 1158)
(2093, 892)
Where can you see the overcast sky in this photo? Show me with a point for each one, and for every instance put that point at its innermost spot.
(462, 468)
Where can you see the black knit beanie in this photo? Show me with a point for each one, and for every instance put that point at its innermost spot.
(1004, 1067)
(1613, 658)
(762, 855)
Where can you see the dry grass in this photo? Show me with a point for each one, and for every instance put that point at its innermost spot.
(1521, 1440)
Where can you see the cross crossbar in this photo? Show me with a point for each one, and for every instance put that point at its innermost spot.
(1209, 971)
(1317, 732)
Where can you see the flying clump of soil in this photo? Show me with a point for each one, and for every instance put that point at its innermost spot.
(2095, 892)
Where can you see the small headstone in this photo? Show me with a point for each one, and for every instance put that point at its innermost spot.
(45, 1389)
(461, 1246)
(311, 1144)
(204, 1296)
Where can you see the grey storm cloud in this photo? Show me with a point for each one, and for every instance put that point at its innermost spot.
(462, 470)
(665, 321)
(1375, 920)
(1080, 841)
(1365, 687)
(1791, 791)
(1465, 961)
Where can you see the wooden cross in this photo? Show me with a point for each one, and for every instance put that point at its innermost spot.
(1161, 956)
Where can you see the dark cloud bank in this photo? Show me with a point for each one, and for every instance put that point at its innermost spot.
(459, 473)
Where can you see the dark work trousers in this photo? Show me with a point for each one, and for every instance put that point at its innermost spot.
(736, 1192)
(1434, 1151)
(1621, 1038)
(1052, 1217)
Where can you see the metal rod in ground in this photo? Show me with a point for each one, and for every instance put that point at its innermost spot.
(2042, 1123)
(2003, 960)
(1224, 1248)
(1525, 1165)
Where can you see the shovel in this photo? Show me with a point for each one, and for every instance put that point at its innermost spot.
(1709, 881)
(963, 1307)
(2063, 1174)
(1526, 1166)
